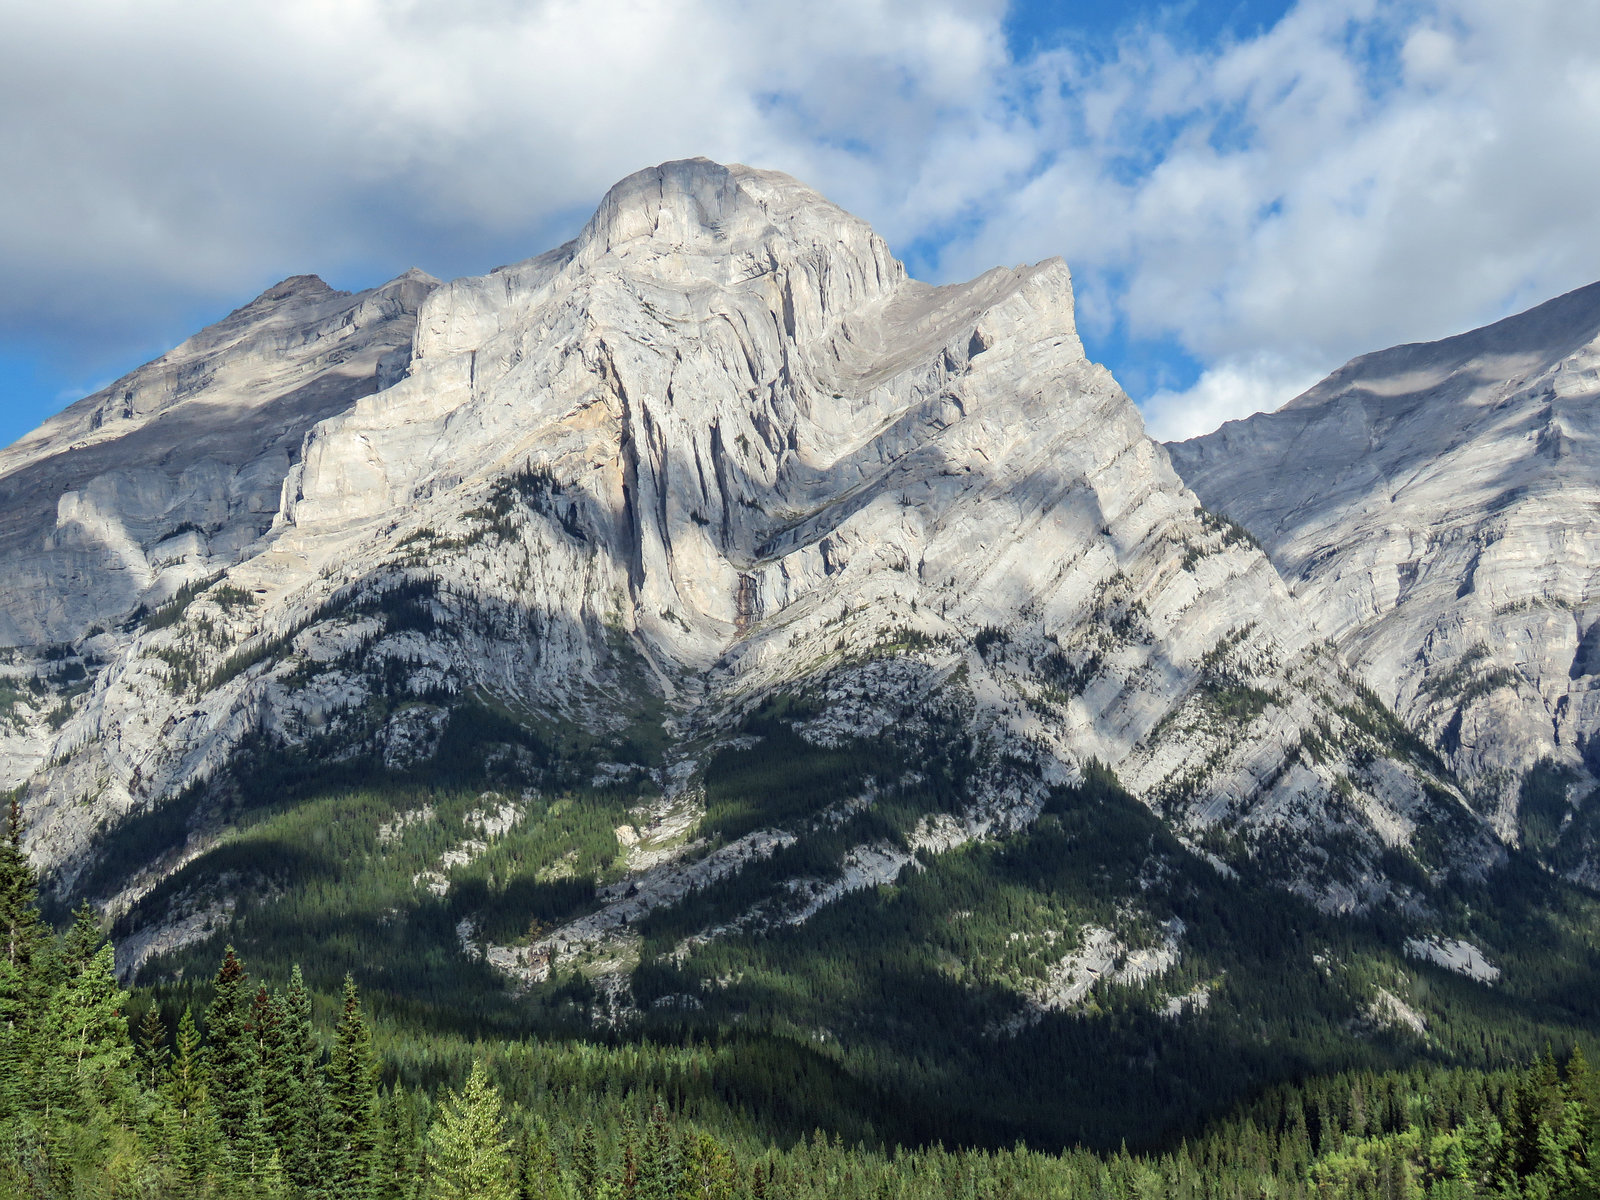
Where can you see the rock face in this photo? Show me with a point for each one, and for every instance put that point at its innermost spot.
(169, 474)
(716, 451)
(1433, 506)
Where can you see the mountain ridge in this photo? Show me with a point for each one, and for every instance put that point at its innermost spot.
(1429, 505)
(705, 603)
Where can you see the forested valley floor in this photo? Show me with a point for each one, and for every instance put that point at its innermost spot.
(269, 1091)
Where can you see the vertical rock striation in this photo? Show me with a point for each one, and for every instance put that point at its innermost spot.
(720, 448)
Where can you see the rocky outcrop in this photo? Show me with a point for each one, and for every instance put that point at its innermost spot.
(1432, 506)
(718, 449)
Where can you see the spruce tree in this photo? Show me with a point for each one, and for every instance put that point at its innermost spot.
(82, 939)
(399, 1155)
(708, 1171)
(352, 1098)
(234, 1069)
(194, 1138)
(297, 1118)
(281, 1097)
(586, 1164)
(154, 1053)
(231, 1049)
(539, 1173)
(152, 1057)
(468, 1152)
(628, 1183)
(89, 1048)
(20, 927)
(658, 1167)
(23, 983)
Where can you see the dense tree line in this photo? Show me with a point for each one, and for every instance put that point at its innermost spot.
(877, 1016)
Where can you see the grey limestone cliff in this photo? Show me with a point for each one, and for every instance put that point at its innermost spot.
(1433, 507)
(721, 448)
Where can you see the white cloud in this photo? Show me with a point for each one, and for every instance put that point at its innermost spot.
(174, 148)
(1226, 391)
(1359, 175)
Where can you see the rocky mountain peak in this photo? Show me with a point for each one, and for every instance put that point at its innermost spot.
(695, 202)
(171, 472)
(303, 286)
(722, 452)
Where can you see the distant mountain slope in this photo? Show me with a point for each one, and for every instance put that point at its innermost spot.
(168, 474)
(1434, 507)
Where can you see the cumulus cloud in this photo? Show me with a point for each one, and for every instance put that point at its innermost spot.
(1361, 173)
(1225, 391)
(172, 149)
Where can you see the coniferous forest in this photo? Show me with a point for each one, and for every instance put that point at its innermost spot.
(268, 1090)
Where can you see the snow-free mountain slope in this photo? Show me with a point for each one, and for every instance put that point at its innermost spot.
(715, 504)
(1434, 507)
(169, 473)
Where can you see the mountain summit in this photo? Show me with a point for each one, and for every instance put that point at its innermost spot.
(704, 622)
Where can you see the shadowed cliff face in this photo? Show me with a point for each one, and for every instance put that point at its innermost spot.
(720, 450)
(1433, 508)
(171, 472)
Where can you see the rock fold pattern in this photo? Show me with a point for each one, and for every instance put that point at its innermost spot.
(716, 451)
(1433, 508)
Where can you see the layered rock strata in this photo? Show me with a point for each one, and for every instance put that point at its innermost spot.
(720, 448)
(1433, 507)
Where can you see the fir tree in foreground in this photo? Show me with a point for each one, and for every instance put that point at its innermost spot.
(352, 1097)
(469, 1151)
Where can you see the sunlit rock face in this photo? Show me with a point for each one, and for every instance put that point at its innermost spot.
(1434, 508)
(719, 448)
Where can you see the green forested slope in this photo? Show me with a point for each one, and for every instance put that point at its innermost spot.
(260, 1098)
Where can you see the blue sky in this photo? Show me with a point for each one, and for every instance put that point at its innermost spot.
(1248, 192)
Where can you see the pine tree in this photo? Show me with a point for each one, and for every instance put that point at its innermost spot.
(1584, 1120)
(628, 1184)
(469, 1147)
(233, 1063)
(87, 1082)
(708, 1172)
(20, 927)
(296, 1117)
(23, 986)
(194, 1138)
(539, 1174)
(352, 1103)
(152, 1058)
(82, 939)
(658, 1168)
(399, 1155)
(154, 1053)
(281, 1094)
(90, 1053)
(586, 1164)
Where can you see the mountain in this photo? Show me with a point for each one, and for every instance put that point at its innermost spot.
(705, 628)
(1432, 507)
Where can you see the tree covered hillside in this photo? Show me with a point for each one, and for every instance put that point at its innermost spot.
(269, 1092)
